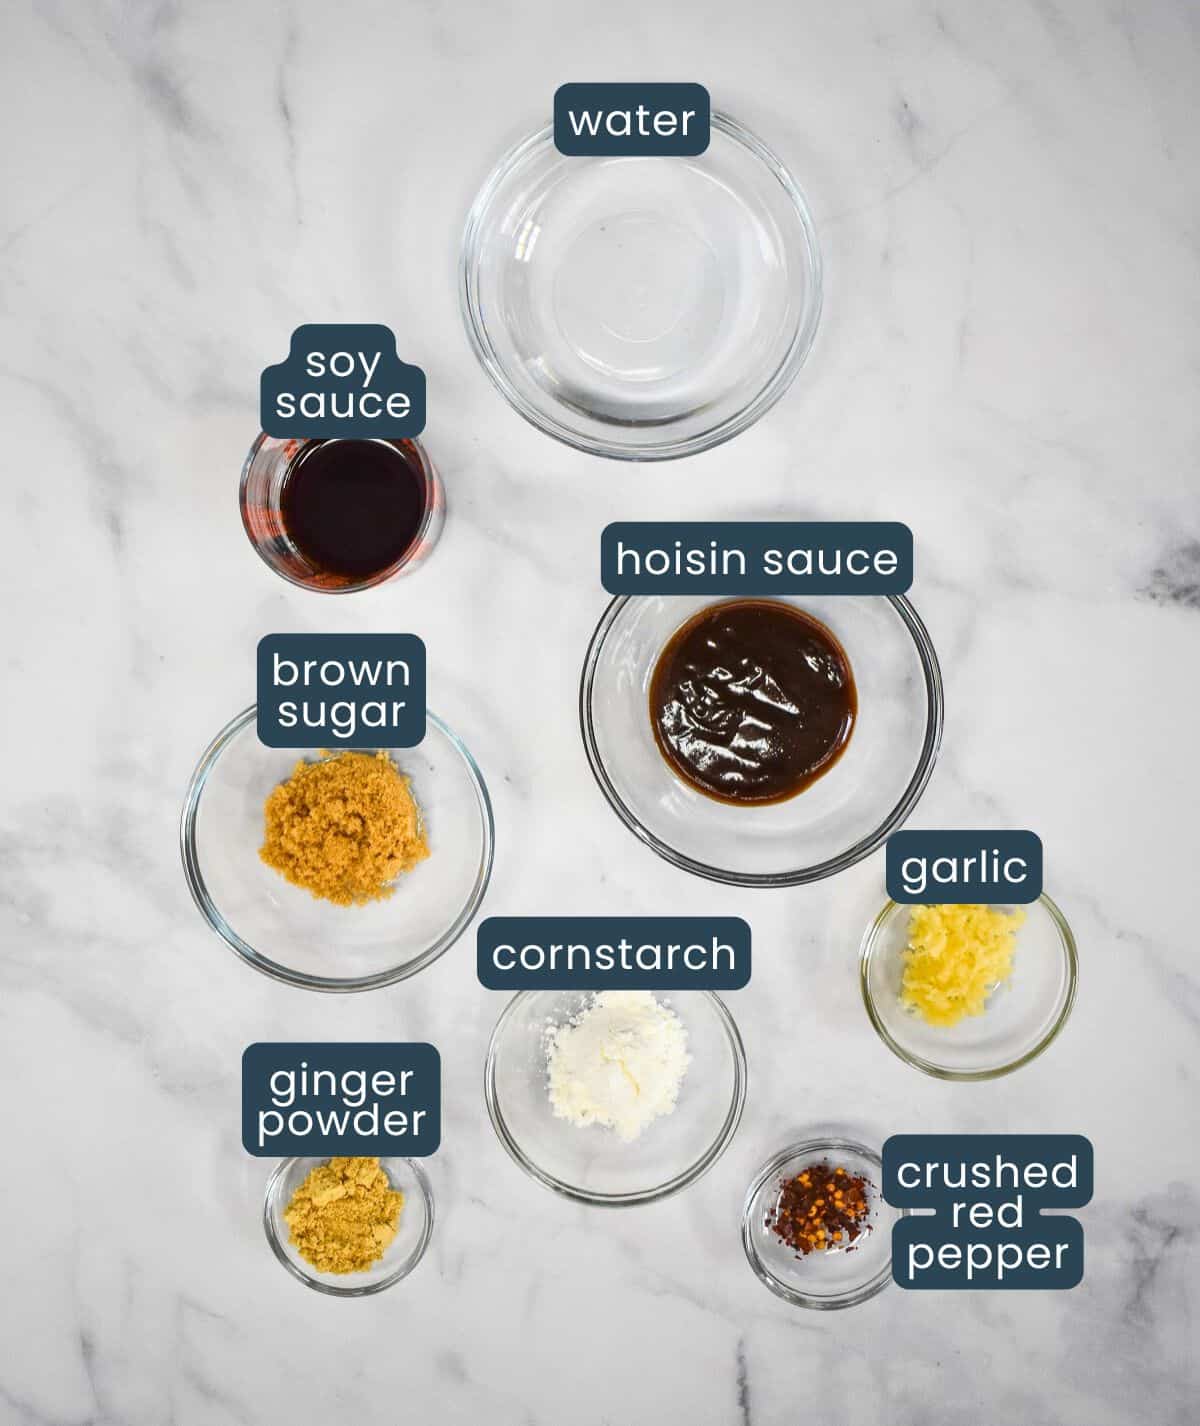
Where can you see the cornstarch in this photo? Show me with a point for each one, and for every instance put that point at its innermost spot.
(619, 1063)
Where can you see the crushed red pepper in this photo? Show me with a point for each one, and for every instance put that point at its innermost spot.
(820, 1209)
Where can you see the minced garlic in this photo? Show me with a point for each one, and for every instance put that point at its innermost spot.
(956, 957)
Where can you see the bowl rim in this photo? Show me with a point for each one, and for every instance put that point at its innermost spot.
(680, 1180)
(831, 866)
(331, 1289)
(302, 979)
(1066, 941)
(808, 1149)
(773, 387)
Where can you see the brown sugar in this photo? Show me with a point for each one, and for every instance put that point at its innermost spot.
(344, 828)
(343, 1216)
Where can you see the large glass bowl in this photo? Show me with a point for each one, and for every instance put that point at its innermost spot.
(403, 1253)
(1022, 1017)
(821, 1280)
(591, 1164)
(641, 308)
(286, 933)
(833, 823)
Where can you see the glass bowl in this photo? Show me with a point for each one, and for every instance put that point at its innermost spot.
(641, 308)
(592, 1165)
(822, 1280)
(402, 1254)
(1022, 1016)
(827, 827)
(260, 498)
(285, 932)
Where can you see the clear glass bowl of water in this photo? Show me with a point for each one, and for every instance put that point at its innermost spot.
(641, 308)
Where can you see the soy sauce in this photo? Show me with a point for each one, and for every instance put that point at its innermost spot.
(752, 700)
(353, 508)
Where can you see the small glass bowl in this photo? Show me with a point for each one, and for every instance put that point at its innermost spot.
(402, 1254)
(592, 1165)
(1022, 1016)
(830, 825)
(260, 498)
(288, 934)
(641, 308)
(822, 1280)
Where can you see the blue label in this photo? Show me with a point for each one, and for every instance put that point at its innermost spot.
(756, 557)
(987, 1192)
(930, 868)
(341, 1099)
(343, 379)
(341, 690)
(632, 119)
(613, 953)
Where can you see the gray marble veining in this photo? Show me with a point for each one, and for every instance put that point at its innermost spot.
(1006, 197)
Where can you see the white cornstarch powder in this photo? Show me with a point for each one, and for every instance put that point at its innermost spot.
(619, 1063)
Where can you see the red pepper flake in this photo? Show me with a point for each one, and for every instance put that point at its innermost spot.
(821, 1209)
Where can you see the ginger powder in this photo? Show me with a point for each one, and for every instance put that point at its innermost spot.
(344, 828)
(343, 1216)
(956, 957)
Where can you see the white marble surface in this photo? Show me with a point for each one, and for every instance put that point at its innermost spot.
(1006, 195)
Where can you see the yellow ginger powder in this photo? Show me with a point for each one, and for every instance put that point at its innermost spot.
(344, 1214)
(344, 828)
(956, 957)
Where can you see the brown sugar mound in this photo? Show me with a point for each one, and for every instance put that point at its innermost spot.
(343, 1216)
(344, 828)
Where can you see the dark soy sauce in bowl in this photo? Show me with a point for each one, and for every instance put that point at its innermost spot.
(353, 508)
